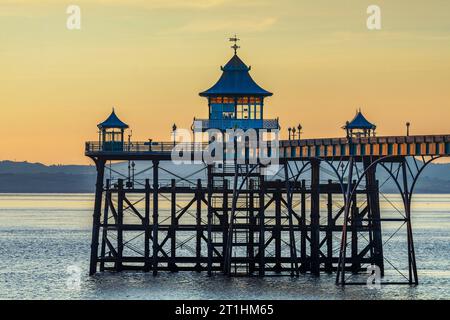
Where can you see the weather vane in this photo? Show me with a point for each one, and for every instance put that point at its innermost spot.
(235, 47)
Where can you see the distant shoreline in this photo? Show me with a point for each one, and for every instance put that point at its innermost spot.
(37, 178)
(92, 193)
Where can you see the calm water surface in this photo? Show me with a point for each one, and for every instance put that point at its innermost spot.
(41, 236)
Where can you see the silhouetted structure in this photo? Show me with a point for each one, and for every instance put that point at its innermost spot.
(111, 133)
(236, 101)
(238, 221)
(359, 127)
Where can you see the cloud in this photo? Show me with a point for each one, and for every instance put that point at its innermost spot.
(151, 4)
(388, 35)
(249, 25)
(168, 3)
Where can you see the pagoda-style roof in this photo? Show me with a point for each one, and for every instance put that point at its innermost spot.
(236, 80)
(113, 122)
(359, 122)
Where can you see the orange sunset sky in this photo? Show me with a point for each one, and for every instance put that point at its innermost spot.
(149, 59)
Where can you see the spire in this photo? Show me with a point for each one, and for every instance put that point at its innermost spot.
(359, 122)
(235, 79)
(112, 122)
(235, 47)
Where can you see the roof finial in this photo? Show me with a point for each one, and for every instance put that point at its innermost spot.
(235, 47)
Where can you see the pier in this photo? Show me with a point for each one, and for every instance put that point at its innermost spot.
(319, 212)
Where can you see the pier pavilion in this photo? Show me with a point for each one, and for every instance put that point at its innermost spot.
(236, 101)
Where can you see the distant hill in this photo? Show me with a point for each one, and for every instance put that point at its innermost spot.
(434, 179)
(28, 167)
(26, 177)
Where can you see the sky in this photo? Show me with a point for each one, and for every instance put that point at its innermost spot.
(150, 59)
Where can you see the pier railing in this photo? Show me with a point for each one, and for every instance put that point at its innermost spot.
(268, 124)
(142, 147)
(425, 145)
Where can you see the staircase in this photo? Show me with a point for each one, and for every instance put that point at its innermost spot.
(239, 242)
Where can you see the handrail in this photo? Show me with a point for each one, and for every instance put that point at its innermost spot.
(239, 123)
(95, 146)
(329, 147)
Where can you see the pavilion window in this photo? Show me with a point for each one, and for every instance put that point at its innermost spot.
(240, 112)
(249, 108)
(222, 108)
(258, 112)
(254, 100)
(228, 100)
(243, 111)
(228, 115)
(243, 100)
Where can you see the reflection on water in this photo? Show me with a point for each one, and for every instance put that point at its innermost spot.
(42, 235)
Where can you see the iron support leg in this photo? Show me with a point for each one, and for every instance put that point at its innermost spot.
(355, 226)
(375, 215)
(315, 218)
(105, 223)
(173, 227)
(199, 232)
(147, 231)
(330, 225)
(210, 221)
(412, 267)
(262, 247)
(120, 197)
(100, 164)
(277, 229)
(155, 216)
(340, 275)
(225, 222)
(303, 256)
(251, 230)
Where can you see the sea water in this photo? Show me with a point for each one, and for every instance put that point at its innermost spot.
(45, 247)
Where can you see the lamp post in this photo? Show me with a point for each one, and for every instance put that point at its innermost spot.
(289, 129)
(174, 130)
(408, 124)
(293, 133)
(347, 130)
(299, 127)
(129, 139)
(193, 135)
(150, 144)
